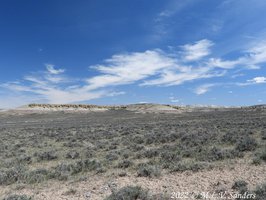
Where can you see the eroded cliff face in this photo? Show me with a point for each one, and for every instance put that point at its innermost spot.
(90, 107)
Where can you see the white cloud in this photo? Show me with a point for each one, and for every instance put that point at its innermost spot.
(196, 51)
(203, 89)
(170, 78)
(257, 80)
(252, 59)
(172, 9)
(257, 53)
(174, 100)
(52, 70)
(49, 87)
(128, 68)
(227, 64)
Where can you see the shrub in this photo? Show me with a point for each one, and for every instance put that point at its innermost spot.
(11, 175)
(25, 159)
(136, 147)
(246, 144)
(240, 186)
(150, 138)
(46, 155)
(216, 154)
(125, 164)
(230, 137)
(62, 171)
(129, 193)
(185, 166)
(150, 153)
(72, 155)
(35, 176)
(71, 191)
(146, 170)
(112, 156)
(18, 197)
(138, 139)
(169, 157)
(256, 161)
(263, 155)
(260, 192)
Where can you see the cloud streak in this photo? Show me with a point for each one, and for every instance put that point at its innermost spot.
(203, 89)
(197, 50)
(52, 70)
(254, 81)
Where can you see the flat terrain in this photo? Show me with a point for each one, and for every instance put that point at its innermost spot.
(105, 155)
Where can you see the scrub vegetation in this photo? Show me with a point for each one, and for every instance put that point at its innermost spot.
(36, 147)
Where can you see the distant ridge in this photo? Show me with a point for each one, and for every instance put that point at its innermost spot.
(258, 106)
(83, 106)
(139, 108)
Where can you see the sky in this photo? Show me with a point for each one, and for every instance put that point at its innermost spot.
(182, 52)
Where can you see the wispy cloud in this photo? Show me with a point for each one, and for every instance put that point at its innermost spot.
(172, 9)
(254, 81)
(202, 89)
(170, 78)
(224, 64)
(50, 86)
(197, 50)
(258, 80)
(52, 70)
(174, 100)
(129, 68)
(162, 25)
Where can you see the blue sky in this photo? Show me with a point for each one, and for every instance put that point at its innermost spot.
(118, 52)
